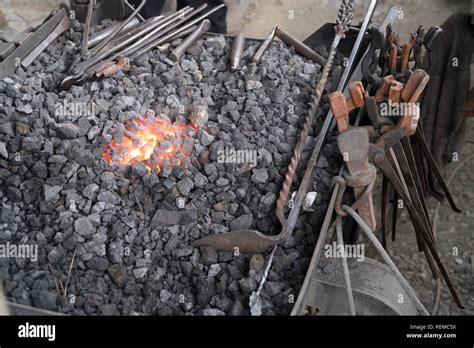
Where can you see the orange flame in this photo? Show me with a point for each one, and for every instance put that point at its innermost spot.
(155, 142)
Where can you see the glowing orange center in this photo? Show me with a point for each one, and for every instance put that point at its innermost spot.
(154, 142)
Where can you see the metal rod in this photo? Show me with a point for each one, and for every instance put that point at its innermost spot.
(101, 35)
(237, 51)
(190, 40)
(345, 268)
(299, 46)
(87, 26)
(116, 31)
(261, 51)
(132, 8)
(136, 32)
(160, 41)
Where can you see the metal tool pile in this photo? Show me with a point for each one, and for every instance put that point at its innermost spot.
(392, 142)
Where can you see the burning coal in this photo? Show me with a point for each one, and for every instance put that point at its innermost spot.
(155, 141)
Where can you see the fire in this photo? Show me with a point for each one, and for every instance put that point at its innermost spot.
(156, 142)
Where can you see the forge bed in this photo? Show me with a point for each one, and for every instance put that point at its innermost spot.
(116, 225)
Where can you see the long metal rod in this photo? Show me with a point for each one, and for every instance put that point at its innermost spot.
(345, 268)
(117, 30)
(161, 40)
(87, 27)
(190, 40)
(101, 35)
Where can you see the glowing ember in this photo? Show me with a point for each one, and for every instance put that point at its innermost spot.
(156, 142)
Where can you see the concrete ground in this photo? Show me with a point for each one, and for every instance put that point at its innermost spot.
(256, 18)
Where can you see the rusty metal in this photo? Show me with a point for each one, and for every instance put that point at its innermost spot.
(262, 49)
(111, 68)
(406, 51)
(299, 46)
(395, 92)
(359, 173)
(237, 51)
(280, 205)
(393, 58)
(415, 86)
(384, 89)
(340, 106)
(190, 40)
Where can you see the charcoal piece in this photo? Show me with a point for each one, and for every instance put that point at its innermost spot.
(260, 176)
(3, 150)
(206, 139)
(185, 186)
(98, 263)
(200, 180)
(243, 222)
(84, 226)
(46, 300)
(167, 218)
(67, 131)
(51, 192)
(108, 197)
(7, 129)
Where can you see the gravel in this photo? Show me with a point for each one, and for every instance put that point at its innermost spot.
(131, 231)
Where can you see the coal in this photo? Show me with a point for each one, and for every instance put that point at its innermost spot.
(132, 228)
(164, 218)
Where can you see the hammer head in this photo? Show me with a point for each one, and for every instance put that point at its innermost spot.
(354, 147)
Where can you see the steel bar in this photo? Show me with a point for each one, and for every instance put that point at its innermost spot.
(345, 268)
(299, 46)
(264, 46)
(117, 30)
(62, 26)
(101, 35)
(9, 64)
(160, 40)
(237, 51)
(78, 71)
(132, 8)
(87, 27)
(140, 29)
(190, 40)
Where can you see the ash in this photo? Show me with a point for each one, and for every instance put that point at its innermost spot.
(126, 233)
